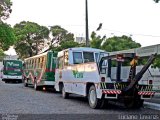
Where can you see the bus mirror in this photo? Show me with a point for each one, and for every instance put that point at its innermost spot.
(24, 64)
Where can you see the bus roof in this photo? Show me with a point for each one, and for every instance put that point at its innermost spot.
(12, 60)
(87, 49)
(37, 55)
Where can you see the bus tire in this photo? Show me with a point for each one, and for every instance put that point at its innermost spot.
(94, 102)
(25, 84)
(65, 95)
(35, 85)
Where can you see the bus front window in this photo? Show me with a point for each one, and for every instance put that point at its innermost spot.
(88, 57)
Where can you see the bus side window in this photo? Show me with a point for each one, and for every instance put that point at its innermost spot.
(60, 62)
(34, 63)
(31, 63)
(44, 62)
(39, 60)
(42, 59)
(27, 64)
(77, 57)
(66, 58)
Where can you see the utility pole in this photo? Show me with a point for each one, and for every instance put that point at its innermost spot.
(87, 33)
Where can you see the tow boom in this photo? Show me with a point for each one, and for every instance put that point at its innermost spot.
(139, 75)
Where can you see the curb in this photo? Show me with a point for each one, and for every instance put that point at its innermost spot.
(150, 105)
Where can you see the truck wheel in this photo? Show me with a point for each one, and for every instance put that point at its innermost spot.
(129, 103)
(65, 95)
(134, 103)
(138, 104)
(94, 102)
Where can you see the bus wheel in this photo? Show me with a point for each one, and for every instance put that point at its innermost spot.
(65, 95)
(25, 84)
(6, 81)
(35, 85)
(94, 102)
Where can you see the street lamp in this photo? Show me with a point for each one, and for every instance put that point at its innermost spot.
(87, 36)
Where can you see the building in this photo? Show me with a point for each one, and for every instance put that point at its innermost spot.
(80, 39)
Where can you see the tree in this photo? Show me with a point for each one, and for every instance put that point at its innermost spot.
(113, 43)
(156, 1)
(65, 45)
(7, 37)
(119, 43)
(59, 36)
(2, 55)
(30, 38)
(5, 9)
(96, 41)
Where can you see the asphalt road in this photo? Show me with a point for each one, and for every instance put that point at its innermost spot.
(19, 102)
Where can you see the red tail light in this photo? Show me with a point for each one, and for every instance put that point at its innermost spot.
(102, 79)
(150, 81)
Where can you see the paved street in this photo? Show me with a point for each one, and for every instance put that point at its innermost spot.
(16, 99)
(155, 99)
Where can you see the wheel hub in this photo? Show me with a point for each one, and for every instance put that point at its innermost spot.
(92, 97)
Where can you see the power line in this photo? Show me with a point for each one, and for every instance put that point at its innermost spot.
(132, 33)
(138, 34)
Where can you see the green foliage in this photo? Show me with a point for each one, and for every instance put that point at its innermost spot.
(65, 45)
(61, 38)
(7, 37)
(1, 52)
(156, 62)
(30, 37)
(119, 43)
(96, 41)
(60, 34)
(58, 31)
(2, 55)
(156, 1)
(113, 43)
(5, 9)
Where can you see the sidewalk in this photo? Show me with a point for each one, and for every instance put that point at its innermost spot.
(153, 103)
(155, 99)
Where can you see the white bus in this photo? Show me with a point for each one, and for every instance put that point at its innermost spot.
(89, 72)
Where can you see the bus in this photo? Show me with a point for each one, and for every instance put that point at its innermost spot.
(91, 73)
(12, 71)
(39, 70)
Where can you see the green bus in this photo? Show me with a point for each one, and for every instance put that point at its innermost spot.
(12, 71)
(39, 70)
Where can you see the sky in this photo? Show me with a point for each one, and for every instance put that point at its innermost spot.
(139, 19)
